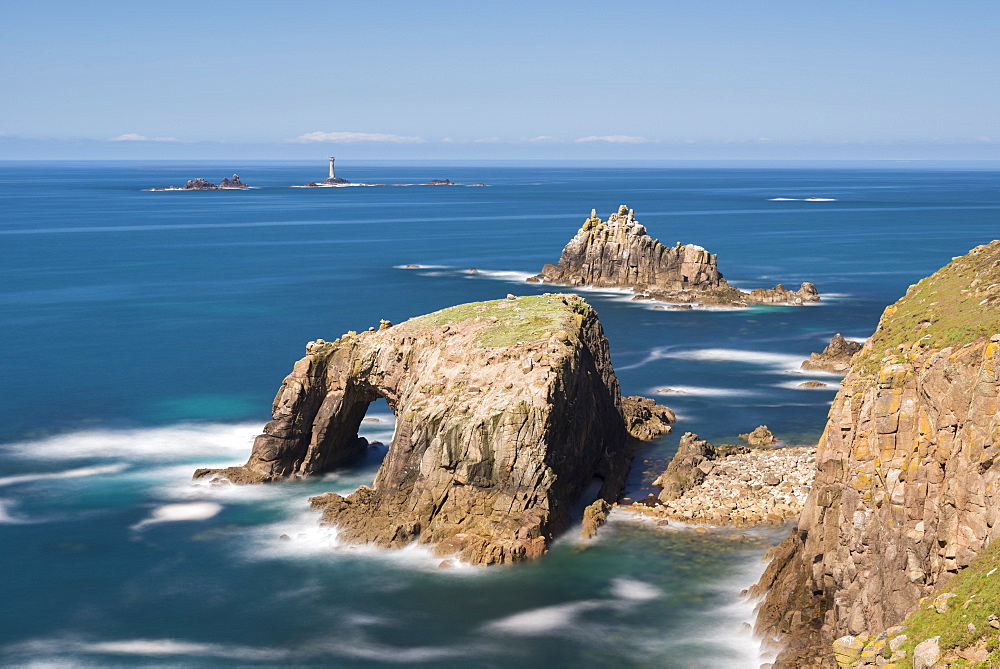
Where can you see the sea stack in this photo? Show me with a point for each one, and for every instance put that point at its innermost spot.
(506, 413)
(618, 253)
(907, 473)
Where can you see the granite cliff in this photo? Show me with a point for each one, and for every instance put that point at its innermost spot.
(906, 470)
(618, 253)
(508, 416)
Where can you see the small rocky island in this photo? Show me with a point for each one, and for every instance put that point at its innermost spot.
(618, 253)
(233, 183)
(442, 182)
(508, 416)
(835, 358)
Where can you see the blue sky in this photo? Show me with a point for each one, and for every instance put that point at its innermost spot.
(384, 79)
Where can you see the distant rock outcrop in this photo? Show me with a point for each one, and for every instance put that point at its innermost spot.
(836, 357)
(620, 254)
(443, 182)
(203, 184)
(907, 471)
(506, 413)
(232, 183)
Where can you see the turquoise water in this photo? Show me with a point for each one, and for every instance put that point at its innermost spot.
(145, 333)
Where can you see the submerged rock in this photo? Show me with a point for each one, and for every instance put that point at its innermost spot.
(836, 357)
(618, 253)
(506, 412)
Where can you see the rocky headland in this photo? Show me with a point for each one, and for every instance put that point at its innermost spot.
(731, 485)
(835, 358)
(618, 253)
(227, 183)
(508, 415)
(903, 499)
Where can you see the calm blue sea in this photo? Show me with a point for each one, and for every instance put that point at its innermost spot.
(144, 334)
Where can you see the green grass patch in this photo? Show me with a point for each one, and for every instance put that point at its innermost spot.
(954, 306)
(978, 590)
(507, 322)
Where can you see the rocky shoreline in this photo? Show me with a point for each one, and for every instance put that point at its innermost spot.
(739, 486)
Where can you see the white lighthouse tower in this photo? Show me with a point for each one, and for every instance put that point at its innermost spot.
(331, 167)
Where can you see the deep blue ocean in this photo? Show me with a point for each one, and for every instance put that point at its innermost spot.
(144, 334)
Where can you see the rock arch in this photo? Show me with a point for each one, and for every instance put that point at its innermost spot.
(506, 411)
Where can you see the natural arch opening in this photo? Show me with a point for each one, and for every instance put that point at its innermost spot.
(349, 428)
(378, 427)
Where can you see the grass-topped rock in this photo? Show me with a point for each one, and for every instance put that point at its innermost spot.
(506, 412)
(907, 473)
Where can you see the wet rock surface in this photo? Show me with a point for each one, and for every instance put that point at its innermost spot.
(506, 412)
(618, 253)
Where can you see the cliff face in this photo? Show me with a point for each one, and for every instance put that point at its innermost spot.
(506, 413)
(619, 253)
(902, 497)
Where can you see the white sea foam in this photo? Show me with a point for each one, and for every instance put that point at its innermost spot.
(303, 537)
(193, 442)
(858, 340)
(802, 199)
(544, 620)
(514, 277)
(732, 623)
(52, 652)
(5, 516)
(168, 647)
(778, 361)
(421, 654)
(785, 363)
(416, 266)
(51, 649)
(797, 385)
(627, 593)
(700, 391)
(171, 513)
(631, 589)
(67, 474)
(176, 484)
